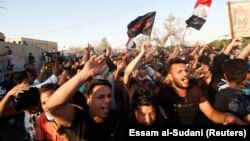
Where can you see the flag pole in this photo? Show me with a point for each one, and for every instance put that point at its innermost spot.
(183, 38)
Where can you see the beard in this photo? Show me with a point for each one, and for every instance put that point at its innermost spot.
(179, 85)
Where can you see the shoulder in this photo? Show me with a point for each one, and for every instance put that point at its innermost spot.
(197, 94)
(113, 114)
(227, 92)
(165, 88)
(42, 118)
(194, 89)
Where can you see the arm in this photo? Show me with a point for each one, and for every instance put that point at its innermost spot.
(235, 42)
(217, 116)
(86, 54)
(41, 74)
(224, 47)
(5, 109)
(107, 52)
(196, 48)
(63, 77)
(174, 54)
(120, 66)
(58, 103)
(132, 64)
(201, 51)
(247, 119)
(244, 53)
(196, 60)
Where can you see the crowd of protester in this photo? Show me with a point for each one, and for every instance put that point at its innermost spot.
(101, 94)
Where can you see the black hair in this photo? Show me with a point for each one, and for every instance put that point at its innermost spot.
(49, 86)
(235, 69)
(20, 76)
(97, 82)
(173, 61)
(143, 97)
(204, 59)
(27, 99)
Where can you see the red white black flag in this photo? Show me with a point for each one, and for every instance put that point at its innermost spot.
(199, 16)
(142, 24)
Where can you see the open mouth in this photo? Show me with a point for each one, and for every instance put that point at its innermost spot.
(185, 80)
(105, 109)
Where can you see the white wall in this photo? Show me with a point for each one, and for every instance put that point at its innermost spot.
(20, 55)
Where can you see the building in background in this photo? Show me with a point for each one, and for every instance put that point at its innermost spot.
(42, 44)
(22, 47)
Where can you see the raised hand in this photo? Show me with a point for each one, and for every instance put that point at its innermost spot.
(94, 66)
(20, 88)
(120, 65)
(237, 41)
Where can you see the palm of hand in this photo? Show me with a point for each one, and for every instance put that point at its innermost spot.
(93, 68)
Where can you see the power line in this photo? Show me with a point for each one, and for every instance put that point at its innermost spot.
(88, 23)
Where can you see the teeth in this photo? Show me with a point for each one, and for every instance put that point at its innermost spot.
(185, 80)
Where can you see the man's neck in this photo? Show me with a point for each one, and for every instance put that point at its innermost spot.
(235, 85)
(96, 118)
(182, 92)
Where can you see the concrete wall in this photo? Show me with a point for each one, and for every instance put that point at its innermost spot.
(20, 55)
(44, 45)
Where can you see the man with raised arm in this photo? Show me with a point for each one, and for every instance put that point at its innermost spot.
(96, 122)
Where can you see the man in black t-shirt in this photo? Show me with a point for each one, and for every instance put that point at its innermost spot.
(181, 101)
(232, 99)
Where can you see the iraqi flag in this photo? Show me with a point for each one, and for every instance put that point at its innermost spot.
(199, 16)
(141, 25)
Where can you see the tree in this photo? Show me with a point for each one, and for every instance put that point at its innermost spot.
(1, 7)
(104, 44)
(219, 43)
(171, 33)
(76, 50)
(140, 39)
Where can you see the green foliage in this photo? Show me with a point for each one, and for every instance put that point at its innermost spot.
(219, 43)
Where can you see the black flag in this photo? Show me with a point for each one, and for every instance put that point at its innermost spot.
(195, 22)
(142, 24)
